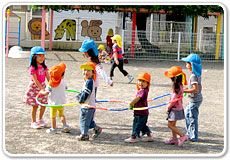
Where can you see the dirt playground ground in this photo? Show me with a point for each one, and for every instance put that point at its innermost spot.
(21, 140)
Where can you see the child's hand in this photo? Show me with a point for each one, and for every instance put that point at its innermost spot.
(131, 107)
(117, 62)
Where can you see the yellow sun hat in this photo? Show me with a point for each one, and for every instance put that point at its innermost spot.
(118, 39)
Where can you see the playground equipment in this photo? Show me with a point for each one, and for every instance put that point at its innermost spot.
(17, 52)
(11, 35)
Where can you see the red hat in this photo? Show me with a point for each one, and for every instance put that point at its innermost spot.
(56, 73)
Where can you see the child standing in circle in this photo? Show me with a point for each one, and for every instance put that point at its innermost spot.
(88, 97)
(175, 107)
(141, 116)
(89, 48)
(193, 64)
(118, 58)
(56, 95)
(39, 73)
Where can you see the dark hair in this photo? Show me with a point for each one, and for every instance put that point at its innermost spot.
(93, 57)
(34, 63)
(177, 82)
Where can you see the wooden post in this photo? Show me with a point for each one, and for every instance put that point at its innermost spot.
(134, 15)
(195, 33)
(43, 27)
(218, 30)
(51, 30)
(7, 31)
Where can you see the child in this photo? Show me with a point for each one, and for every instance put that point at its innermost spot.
(118, 58)
(193, 64)
(175, 108)
(38, 72)
(109, 43)
(141, 116)
(56, 91)
(87, 97)
(103, 55)
(90, 51)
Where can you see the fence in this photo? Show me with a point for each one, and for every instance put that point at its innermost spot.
(171, 45)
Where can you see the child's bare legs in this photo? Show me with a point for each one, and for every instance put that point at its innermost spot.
(66, 128)
(42, 111)
(33, 114)
(175, 130)
(53, 123)
(34, 124)
(41, 122)
(63, 120)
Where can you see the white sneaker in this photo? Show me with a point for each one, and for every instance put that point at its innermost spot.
(149, 138)
(132, 140)
(131, 78)
(51, 131)
(66, 128)
(42, 123)
(35, 125)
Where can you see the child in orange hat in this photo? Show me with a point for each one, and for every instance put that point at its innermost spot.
(87, 97)
(141, 116)
(56, 95)
(175, 107)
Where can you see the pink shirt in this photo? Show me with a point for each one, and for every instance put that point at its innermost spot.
(176, 100)
(40, 73)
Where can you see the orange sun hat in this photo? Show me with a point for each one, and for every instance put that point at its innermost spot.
(144, 76)
(56, 73)
(175, 71)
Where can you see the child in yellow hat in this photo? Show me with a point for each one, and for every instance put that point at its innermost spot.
(103, 55)
(175, 107)
(141, 116)
(118, 58)
(87, 97)
(56, 95)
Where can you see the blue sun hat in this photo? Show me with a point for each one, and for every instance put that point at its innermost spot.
(195, 61)
(89, 44)
(36, 50)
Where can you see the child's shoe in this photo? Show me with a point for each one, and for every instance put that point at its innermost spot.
(182, 139)
(51, 131)
(35, 125)
(131, 78)
(97, 132)
(171, 141)
(131, 140)
(42, 123)
(83, 137)
(66, 128)
(149, 138)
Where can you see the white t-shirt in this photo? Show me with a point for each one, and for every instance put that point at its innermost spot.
(57, 94)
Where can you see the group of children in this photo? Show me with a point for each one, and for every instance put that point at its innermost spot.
(92, 69)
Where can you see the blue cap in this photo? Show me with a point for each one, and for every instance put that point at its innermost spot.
(36, 50)
(195, 60)
(89, 44)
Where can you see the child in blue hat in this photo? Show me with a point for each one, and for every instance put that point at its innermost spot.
(193, 64)
(39, 73)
